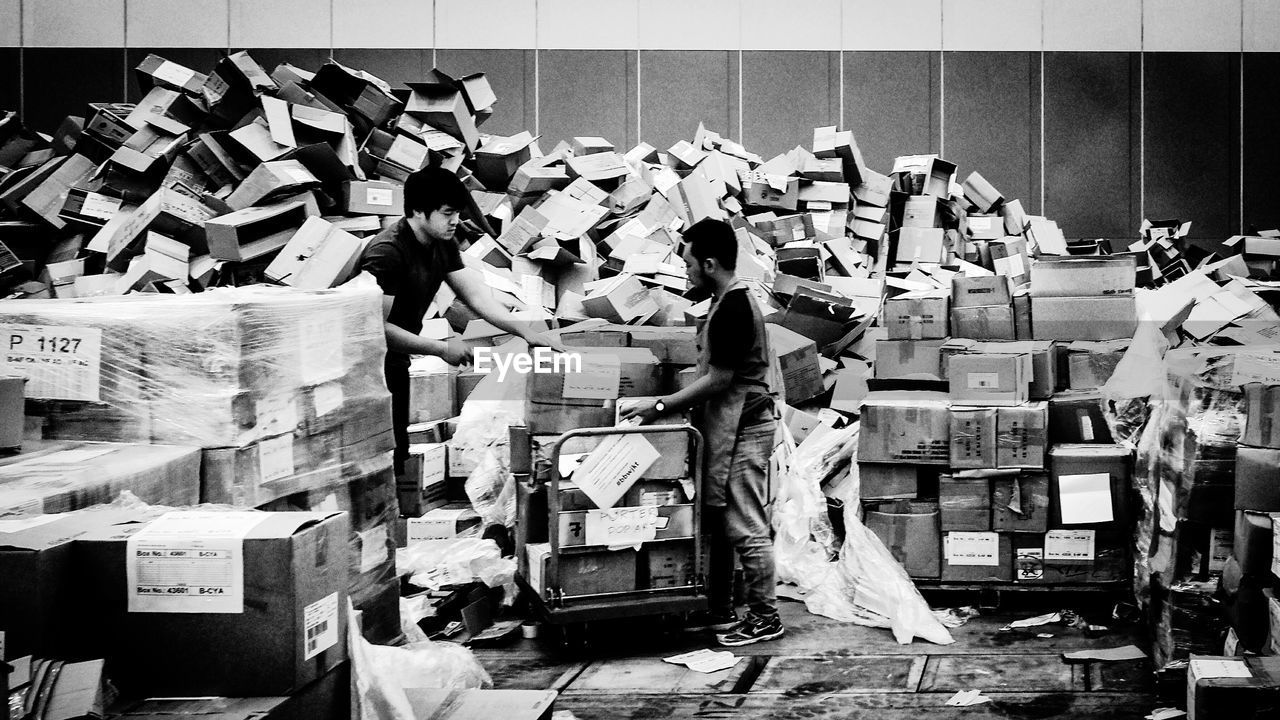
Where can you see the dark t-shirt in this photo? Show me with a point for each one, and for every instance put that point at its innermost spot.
(732, 331)
(410, 272)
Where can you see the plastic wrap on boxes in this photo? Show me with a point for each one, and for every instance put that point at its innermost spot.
(223, 368)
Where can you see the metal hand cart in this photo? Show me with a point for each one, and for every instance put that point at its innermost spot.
(551, 603)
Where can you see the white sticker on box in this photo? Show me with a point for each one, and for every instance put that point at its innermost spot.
(973, 548)
(173, 73)
(379, 196)
(1070, 545)
(623, 526)
(59, 362)
(1219, 668)
(599, 379)
(328, 397)
(1086, 426)
(1030, 564)
(275, 458)
(983, 381)
(1256, 368)
(439, 524)
(100, 206)
(613, 467)
(373, 548)
(1085, 499)
(320, 625)
(189, 562)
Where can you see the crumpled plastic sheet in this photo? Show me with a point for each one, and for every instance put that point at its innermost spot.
(381, 674)
(865, 585)
(433, 564)
(483, 432)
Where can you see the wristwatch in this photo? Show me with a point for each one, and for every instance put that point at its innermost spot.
(661, 407)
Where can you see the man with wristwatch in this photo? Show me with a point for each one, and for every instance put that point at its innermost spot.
(738, 421)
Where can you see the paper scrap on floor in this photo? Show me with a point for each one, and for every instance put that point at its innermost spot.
(1166, 714)
(1036, 621)
(965, 698)
(705, 661)
(1126, 652)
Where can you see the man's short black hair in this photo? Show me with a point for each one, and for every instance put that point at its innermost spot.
(428, 189)
(710, 238)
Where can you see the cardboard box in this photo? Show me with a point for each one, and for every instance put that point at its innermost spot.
(12, 401)
(1022, 313)
(431, 704)
(551, 408)
(994, 322)
(373, 197)
(1251, 542)
(271, 179)
(989, 379)
(1022, 436)
(621, 299)
(1249, 686)
(582, 573)
(328, 698)
(1257, 479)
(1083, 276)
(977, 291)
(289, 607)
(1044, 360)
(798, 359)
(1071, 556)
(500, 157)
(1020, 503)
(256, 231)
(1009, 257)
(1091, 364)
(1111, 317)
(668, 565)
(888, 482)
(909, 530)
(919, 315)
(920, 211)
(964, 503)
(973, 441)
(318, 256)
(1262, 415)
(1273, 615)
(1089, 485)
(985, 227)
(981, 193)
(922, 245)
(432, 395)
(977, 557)
(905, 426)
(909, 359)
(1076, 416)
(422, 486)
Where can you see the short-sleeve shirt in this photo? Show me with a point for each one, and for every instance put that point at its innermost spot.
(732, 331)
(410, 272)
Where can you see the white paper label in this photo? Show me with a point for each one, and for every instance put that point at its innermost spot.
(173, 73)
(275, 458)
(1256, 368)
(981, 224)
(378, 196)
(623, 526)
(983, 381)
(599, 380)
(1009, 266)
(613, 466)
(100, 206)
(59, 362)
(373, 548)
(189, 562)
(439, 524)
(1085, 499)
(1086, 427)
(973, 548)
(1207, 669)
(320, 346)
(1030, 564)
(328, 397)
(1069, 545)
(320, 625)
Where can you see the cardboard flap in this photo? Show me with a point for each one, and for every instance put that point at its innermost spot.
(285, 524)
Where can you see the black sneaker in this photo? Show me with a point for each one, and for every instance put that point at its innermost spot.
(753, 629)
(718, 621)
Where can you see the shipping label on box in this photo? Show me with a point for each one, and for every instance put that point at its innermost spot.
(59, 362)
(972, 548)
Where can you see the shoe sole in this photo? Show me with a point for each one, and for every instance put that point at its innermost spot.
(749, 641)
(720, 627)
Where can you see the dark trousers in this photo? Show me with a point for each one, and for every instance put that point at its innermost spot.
(743, 526)
(397, 372)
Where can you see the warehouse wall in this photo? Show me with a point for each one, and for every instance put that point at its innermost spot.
(1094, 112)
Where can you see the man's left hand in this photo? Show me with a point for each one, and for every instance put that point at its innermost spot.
(544, 340)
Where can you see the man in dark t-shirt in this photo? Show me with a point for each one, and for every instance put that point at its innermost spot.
(410, 260)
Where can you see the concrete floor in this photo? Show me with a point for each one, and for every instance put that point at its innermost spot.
(825, 669)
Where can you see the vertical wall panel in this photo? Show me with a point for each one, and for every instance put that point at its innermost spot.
(1261, 141)
(190, 23)
(1091, 150)
(891, 104)
(485, 23)
(587, 93)
(199, 59)
(61, 81)
(281, 23)
(785, 95)
(682, 25)
(1191, 25)
(680, 88)
(510, 74)
(73, 23)
(10, 25)
(878, 25)
(588, 24)
(1093, 25)
(1192, 140)
(992, 25)
(991, 120)
(383, 23)
(771, 25)
(1261, 18)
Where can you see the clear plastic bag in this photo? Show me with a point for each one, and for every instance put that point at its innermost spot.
(491, 488)
(433, 564)
(865, 585)
(381, 674)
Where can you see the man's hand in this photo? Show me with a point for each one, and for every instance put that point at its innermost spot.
(646, 409)
(456, 353)
(543, 340)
